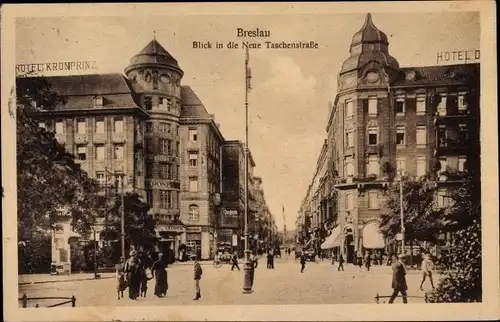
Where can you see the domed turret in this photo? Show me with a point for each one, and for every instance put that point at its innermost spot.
(153, 55)
(369, 44)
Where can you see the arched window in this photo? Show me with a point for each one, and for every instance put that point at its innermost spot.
(194, 213)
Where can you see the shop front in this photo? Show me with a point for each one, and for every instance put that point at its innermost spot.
(333, 242)
(169, 240)
(372, 240)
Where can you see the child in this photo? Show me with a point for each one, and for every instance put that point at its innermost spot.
(120, 279)
(197, 276)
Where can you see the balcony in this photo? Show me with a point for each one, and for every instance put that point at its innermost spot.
(451, 147)
(451, 116)
(373, 149)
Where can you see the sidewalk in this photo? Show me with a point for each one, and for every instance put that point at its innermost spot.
(48, 278)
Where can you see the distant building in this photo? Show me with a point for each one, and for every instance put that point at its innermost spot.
(201, 149)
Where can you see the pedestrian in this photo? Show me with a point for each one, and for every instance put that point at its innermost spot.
(269, 260)
(399, 280)
(341, 263)
(234, 258)
(427, 266)
(158, 270)
(359, 261)
(197, 277)
(254, 260)
(333, 259)
(368, 261)
(302, 262)
(133, 271)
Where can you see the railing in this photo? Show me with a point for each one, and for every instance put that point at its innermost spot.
(378, 297)
(25, 300)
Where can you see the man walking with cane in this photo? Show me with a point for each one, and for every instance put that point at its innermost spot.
(399, 280)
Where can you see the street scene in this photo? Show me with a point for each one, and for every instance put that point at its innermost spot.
(332, 169)
(320, 283)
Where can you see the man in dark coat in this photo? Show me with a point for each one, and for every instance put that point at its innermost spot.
(302, 262)
(341, 263)
(234, 258)
(133, 270)
(399, 280)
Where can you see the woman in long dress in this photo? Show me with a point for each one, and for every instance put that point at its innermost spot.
(158, 270)
(133, 271)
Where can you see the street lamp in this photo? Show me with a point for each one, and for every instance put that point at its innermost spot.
(122, 211)
(249, 266)
(401, 212)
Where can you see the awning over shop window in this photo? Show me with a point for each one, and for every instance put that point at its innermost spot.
(333, 240)
(372, 238)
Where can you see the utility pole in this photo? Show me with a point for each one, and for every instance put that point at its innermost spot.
(122, 213)
(401, 212)
(284, 226)
(249, 266)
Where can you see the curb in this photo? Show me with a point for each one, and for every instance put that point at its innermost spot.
(70, 280)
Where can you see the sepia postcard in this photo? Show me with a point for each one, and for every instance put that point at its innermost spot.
(250, 161)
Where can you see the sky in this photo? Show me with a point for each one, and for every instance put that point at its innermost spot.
(291, 88)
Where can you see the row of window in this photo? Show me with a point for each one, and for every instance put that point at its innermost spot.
(165, 147)
(100, 152)
(166, 199)
(400, 105)
(81, 126)
(162, 127)
(442, 200)
(166, 171)
(420, 132)
(373, 165)
(165, 104)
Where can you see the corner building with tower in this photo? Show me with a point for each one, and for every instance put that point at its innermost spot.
(147, 133)
(387, 120)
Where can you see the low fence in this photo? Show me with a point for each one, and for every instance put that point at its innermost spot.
(378, 297)
(24, 300)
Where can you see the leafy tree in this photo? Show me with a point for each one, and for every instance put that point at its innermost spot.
(49, 182)
(422, 219)
(139, 226)
(462, 280)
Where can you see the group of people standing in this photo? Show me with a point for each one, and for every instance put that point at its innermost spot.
(134, 275)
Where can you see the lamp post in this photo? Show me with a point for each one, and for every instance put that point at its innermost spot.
(122, 212)
(401, 212)
(249, 266)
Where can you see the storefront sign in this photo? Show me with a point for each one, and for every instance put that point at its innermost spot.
(235, 240)
(463, 56)
(162, 184)
(27, 69)
(193, 229)
(230, 212)
(170, 228)
(160, 158)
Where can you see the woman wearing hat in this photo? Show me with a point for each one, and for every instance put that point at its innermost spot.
(133, 271)
(160, 275)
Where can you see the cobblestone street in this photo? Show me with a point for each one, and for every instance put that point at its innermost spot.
(319, 284)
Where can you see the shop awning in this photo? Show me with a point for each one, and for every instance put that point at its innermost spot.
(333, 240)
(372, 237)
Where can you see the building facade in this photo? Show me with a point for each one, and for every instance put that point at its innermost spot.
(201, 148)
(389, 121)
(147, 133)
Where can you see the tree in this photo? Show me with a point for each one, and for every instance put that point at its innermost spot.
(139, 226)
(422, 219)
(462, 282)
(50, 185)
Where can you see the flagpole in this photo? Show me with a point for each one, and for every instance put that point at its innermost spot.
(249, 267)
